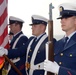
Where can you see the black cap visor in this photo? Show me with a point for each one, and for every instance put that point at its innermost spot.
(14, 21)
(65, 16)
(34, 24)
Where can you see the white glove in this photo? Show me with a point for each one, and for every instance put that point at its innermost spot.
(3, 51)
(51, 66)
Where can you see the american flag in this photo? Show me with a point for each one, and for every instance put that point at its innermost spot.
(3, 27)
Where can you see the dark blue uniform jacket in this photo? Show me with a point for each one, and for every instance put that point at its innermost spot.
(12, 54)
(66, 56)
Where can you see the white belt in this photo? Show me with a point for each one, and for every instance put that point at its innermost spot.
(15, 60)
(37, 66)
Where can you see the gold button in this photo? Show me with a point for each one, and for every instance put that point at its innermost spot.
(60, 63)
(61, 54)
(28, 56)
(70, 55)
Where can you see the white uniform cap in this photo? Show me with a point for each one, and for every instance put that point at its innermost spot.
(67, 10)
(13, 19)
(36, 19)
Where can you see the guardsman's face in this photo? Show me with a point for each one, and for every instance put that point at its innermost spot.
(12, 27)
(36, 30)
(68, 24)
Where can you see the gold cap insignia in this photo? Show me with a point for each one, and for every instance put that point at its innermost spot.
(61, 9)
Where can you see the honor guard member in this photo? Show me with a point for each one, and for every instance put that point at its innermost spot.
(35, 47)
(19, 39)
(65, 50)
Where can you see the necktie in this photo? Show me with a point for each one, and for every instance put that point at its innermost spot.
(65, 42)
(35, 39)
(34, 43)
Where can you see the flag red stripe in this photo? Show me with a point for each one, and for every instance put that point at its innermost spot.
(3, 26)
(7, 46)
(3, 23)
(3, 35)
(3, 16)
(1, 1)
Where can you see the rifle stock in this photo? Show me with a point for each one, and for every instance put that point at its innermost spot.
(50, 45)
(50, 38)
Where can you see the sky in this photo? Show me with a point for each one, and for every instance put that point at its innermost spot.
(24, 9)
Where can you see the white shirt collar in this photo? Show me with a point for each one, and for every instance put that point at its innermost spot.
(39, 36)
(70, 35)
(17, 33)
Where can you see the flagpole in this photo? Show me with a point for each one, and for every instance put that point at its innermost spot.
(15, 68)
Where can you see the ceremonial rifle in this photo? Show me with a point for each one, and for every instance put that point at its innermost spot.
(49, 45)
